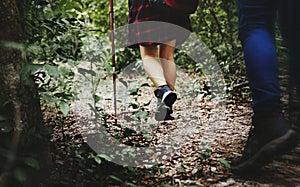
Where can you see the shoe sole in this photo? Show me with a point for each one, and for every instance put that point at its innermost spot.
(162, 113)
(161, 117)
(266, 153)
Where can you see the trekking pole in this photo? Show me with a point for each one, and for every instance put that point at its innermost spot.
(111, 16)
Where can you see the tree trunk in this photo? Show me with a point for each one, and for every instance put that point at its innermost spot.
(21, 122)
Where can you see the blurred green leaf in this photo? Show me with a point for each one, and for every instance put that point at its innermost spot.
(104, 156)
(20, 175)
(47, 97)
(133, 91)
(97, 98)
(225, 163)
(64, 108)
(52, 70)
(64, 96)
(98, 159)
(134, 105)
(141, 114)
(116, 178)
(32, 162)
(130, 184)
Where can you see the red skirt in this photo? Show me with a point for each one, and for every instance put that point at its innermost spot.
(152, 26)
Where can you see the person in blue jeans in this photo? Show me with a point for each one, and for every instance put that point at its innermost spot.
(271, 134)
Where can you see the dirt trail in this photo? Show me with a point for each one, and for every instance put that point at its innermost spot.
(211, 131)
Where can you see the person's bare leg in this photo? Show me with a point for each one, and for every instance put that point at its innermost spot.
(152, 66)
(159, 64)
(166, 55)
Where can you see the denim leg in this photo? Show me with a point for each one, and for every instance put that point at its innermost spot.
(262, 70)
(256, 28)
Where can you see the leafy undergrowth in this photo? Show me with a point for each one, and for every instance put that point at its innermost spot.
(192, 164)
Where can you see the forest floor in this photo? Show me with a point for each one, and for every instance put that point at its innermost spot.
(211, 133)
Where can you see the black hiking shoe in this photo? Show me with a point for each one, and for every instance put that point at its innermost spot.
(271, 136)
(166, 98)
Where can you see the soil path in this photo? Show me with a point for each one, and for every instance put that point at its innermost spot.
(210, 129)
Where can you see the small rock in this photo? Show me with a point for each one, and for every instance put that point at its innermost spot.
(213, 169)
(194, 171)
(230, 181)
(164, 157)
(178, 181)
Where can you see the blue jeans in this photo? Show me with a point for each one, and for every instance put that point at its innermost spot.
(257, 20)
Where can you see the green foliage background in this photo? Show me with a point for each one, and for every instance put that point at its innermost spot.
(57, 31)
